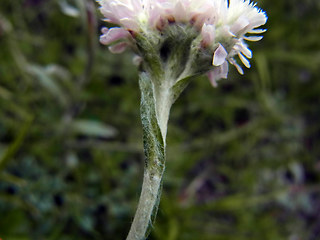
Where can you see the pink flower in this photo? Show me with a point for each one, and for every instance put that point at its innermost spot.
(223, 26)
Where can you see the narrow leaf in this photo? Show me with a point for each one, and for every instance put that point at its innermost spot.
(93, 128)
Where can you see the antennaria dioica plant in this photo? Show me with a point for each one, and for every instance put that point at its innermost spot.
(175, 41)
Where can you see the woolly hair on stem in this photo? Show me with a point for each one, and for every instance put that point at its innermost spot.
(154, 164)
(165, 74)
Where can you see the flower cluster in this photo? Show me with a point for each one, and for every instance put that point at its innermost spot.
(222, 25)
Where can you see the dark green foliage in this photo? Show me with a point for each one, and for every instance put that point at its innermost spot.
(242, 159)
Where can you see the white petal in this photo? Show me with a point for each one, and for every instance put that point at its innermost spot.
(258, 21)
(219, 55)
(226, 32)
(239, 69)
(242, 47)
(241, 23)
(246, 51)
(118, 48)
(234, 63)
(244, 60)
(253, 38)
(257, 31)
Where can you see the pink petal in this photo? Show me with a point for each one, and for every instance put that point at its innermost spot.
(180, 12)
(104, 30)
(121, 10)
(113, 35)
(222, 71)
(217, 73)
(137, 60)
(219, 56)
(129, 23)
(118, 48)
(208, 34)
(212, 78)
(154, 17)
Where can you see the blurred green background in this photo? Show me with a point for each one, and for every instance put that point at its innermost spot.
(243, 159)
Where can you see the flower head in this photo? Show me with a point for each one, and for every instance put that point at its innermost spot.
(219, 28)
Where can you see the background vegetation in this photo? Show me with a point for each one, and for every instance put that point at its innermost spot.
(243, 159)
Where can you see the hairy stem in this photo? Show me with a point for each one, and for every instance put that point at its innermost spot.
(155, 110)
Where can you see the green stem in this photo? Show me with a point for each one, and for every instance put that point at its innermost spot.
(168, 70)
(155, 108)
